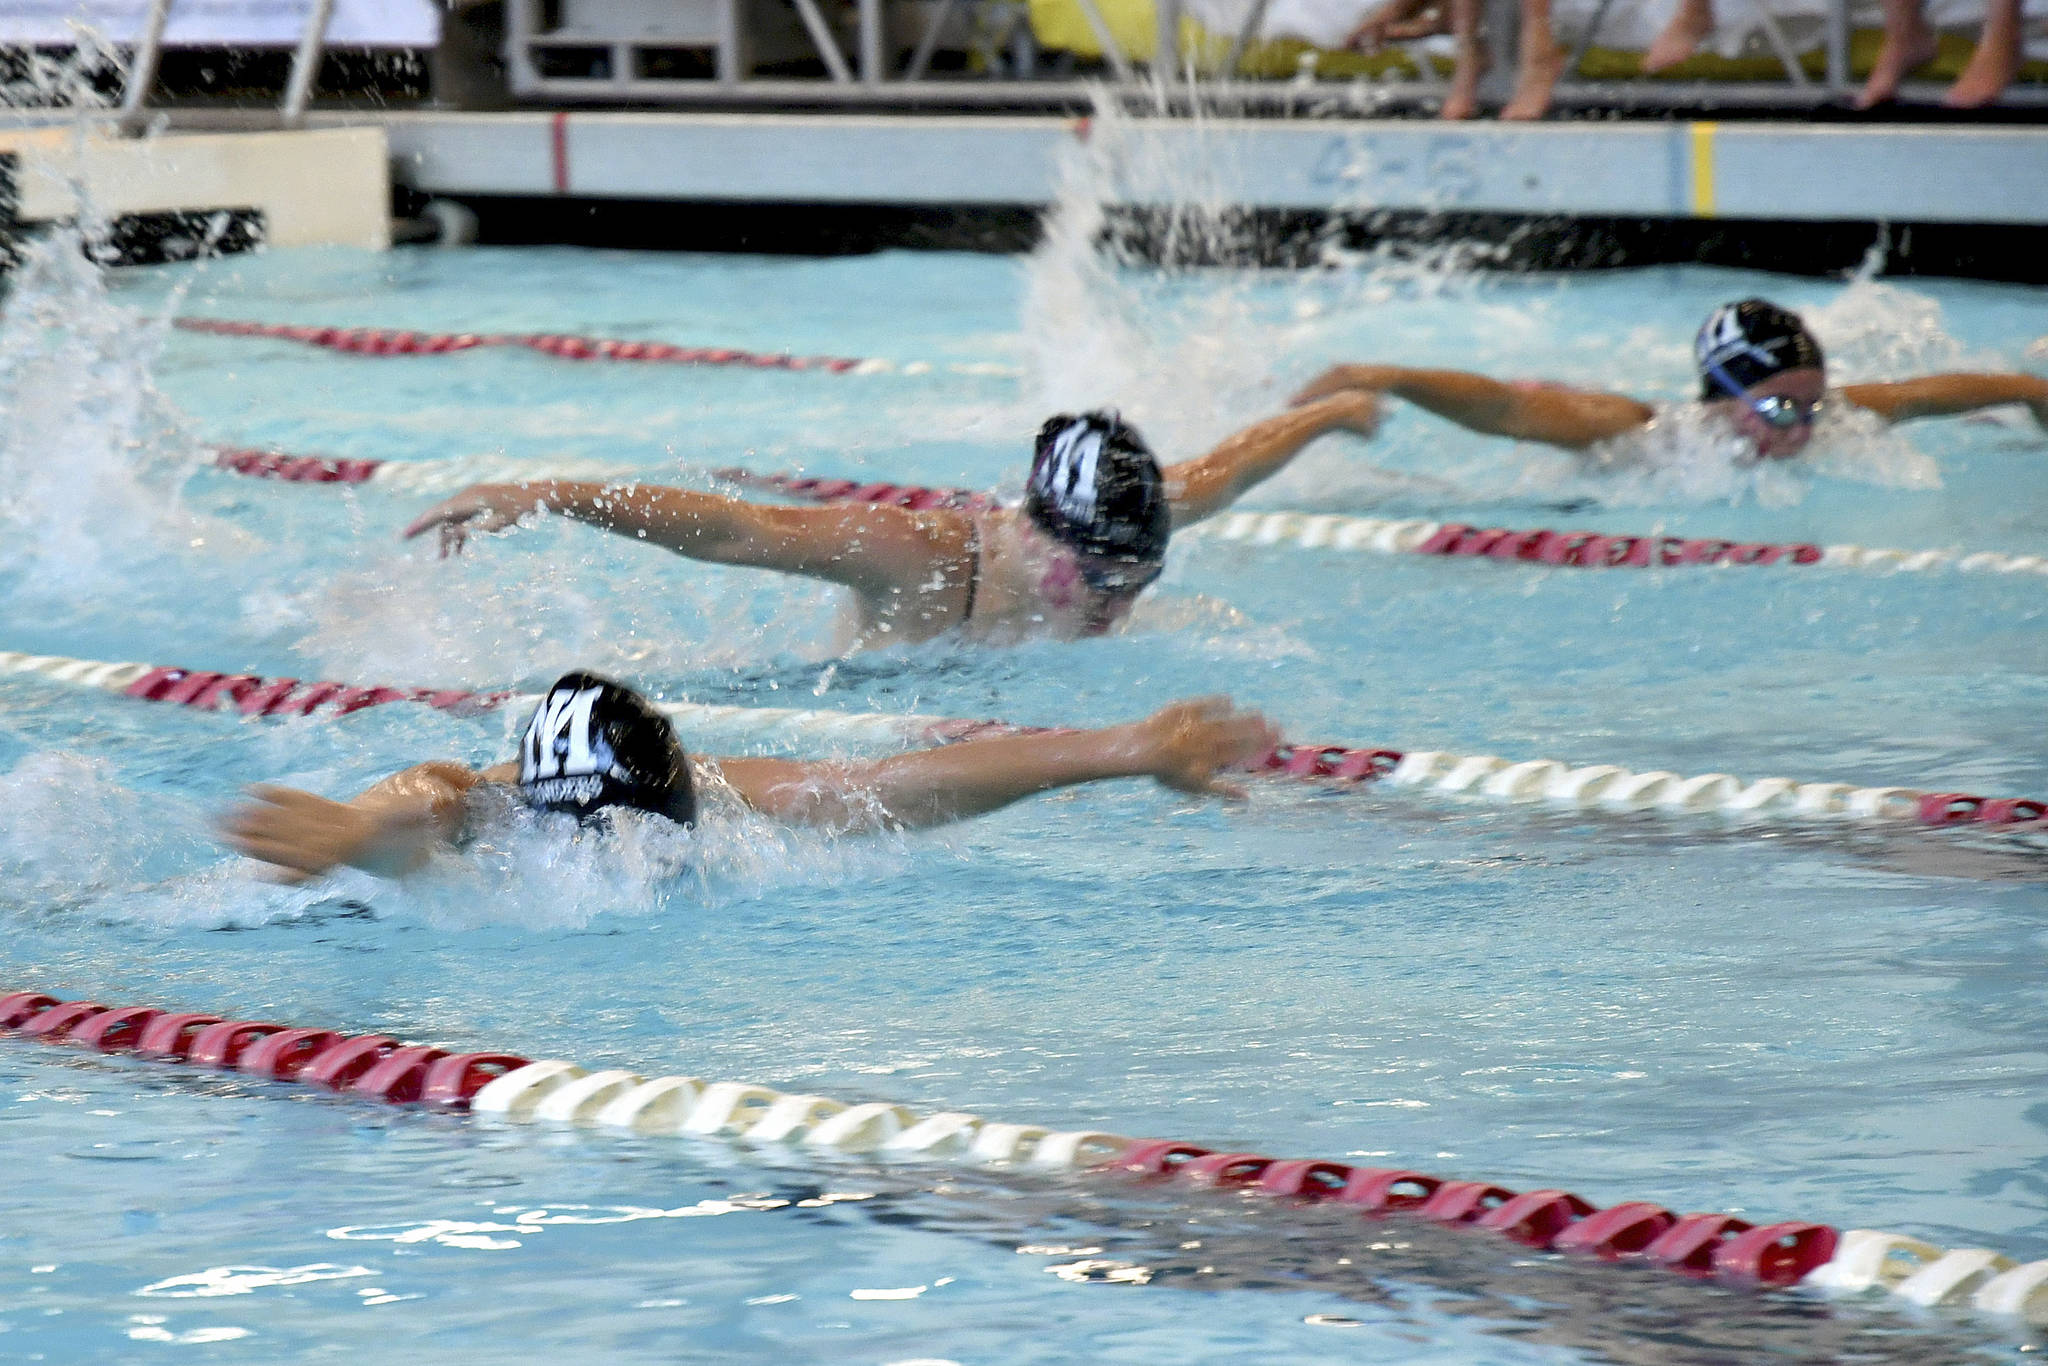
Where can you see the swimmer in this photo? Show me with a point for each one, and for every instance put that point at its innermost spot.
(1761, 371)
(594, 746)
(1070, 562)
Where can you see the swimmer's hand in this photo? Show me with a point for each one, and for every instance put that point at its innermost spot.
(1353, 410)
(297, 834)
(480, 507)
(1183, 745)
(1342, 379)
(388, 830)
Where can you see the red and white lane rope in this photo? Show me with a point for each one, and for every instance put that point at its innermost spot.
(1306, 530)
(1373, 535)
(447, 476)
(1591, 787)
(384, 341)
(514, 1089)
(403, 476)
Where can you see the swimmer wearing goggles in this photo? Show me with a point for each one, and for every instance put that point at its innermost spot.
(595, 748)
(1762, 368)
(1759, 366)
(1069, 561)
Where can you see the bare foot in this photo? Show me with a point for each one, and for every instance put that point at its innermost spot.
(1680, 39)
(1534, 82)
(1992, 68)
(1912, 47)
(1461, 101)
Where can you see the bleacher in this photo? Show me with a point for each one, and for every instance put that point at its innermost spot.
(1284, 55)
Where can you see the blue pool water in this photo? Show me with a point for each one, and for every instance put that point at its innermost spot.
(1837, 1026)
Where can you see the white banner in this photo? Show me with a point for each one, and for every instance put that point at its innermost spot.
(221, 23)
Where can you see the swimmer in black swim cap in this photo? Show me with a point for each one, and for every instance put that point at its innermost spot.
(1760, 368)
(1765, 371)
(593, 743)
(594, 747)
(1095, 488)
(1070, 562)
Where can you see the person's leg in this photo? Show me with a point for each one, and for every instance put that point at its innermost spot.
(1995, 62)
(1689, 27)
(1908, 43)
(1542, 62)
(1461, 101)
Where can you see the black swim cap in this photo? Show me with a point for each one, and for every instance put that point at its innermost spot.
(593, 743)
(1749, 342)
(1095, 487)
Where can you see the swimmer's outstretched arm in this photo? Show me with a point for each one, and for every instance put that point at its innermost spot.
(1181, 746)
(1946, 395)
(1199, 488)
(389, 829)
(875, 550)
(1552, 414)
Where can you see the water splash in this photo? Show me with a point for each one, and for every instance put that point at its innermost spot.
(1689, 456)
(71, 835)
(75, 840)
(1138, 320)
(91, 453)
(528, 605)
(1875, 330)
(542, 871)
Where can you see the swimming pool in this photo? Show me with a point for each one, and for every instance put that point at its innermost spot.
(1836, 1026)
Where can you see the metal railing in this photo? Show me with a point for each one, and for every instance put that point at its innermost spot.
(881, 53)
(143, 64)
(1171, 74)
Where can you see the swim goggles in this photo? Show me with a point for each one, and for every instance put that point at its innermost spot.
(1775, 410)
(1117, 573)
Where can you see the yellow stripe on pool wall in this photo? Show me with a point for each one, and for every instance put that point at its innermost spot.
(1703, 169)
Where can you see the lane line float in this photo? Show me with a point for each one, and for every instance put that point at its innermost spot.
(512, 1088)
(1374, 535)
(1590, 787)
(384, 341)
(1303, 530)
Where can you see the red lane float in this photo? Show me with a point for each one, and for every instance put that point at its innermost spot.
(222, 1045)
(294, 469)
(1463, 1202)
(55, 1022)
(339, 1066)
(1380, 1188)
(1591, 549)
(369, 1064)
(1694, 1241)
(408, 1074)
(172, 1036)
(1306, 1178)
(1616, 1230)
(452, 1081)
(285, 1054)
(1536, 1218)
(1554, 1220)
(912, 496)
(400, 1076)
(253, 696)
(115, 1029)
(379, 341)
